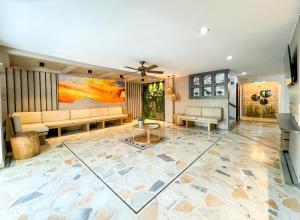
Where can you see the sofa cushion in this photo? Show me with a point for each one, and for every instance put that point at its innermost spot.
(58, 124)
(193, 111)
(29, 117)
(81, 113)
(97, 112)
(188, 117)
(212, 111)
(210, 119)
(81, 121)
(52, 116)
(16, 122)
(115, 110)
(116, 116)
(100, 118)
(38, 127)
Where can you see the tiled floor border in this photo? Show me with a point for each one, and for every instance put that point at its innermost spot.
(136, 212)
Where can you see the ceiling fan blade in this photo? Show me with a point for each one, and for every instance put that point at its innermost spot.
(130, 67)
(151, 67)
(157, 72)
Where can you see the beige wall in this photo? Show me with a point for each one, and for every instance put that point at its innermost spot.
(182, 92)
(254, 88)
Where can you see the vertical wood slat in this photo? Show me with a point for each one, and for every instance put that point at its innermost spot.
(18, 90)
(48, 91)
(37, 91)
(54, 91)
(24, 91)
(10, 90)
(31, 92)
(43, 91)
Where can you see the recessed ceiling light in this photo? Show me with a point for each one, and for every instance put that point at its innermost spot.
(1, 64)
(229, 58)
(204, 30)
(244, 73)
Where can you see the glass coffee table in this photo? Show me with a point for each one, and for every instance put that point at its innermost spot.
(148, 137)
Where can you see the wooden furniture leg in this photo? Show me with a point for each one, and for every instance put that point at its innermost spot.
(58, 132)
(148, 136)
(210, 126)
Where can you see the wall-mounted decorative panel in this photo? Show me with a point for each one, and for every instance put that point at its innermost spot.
(83, 92)
(27, 91)
(209, 85)
(134, 99)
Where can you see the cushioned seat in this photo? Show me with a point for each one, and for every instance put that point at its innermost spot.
(188, 117)
(81, 121)
(38, 127)
(209, 119)
(118, 116)
(42, 121)
(209, 115)
(55, 124)
(100, 118)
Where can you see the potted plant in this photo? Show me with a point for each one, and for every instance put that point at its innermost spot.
(141, 121)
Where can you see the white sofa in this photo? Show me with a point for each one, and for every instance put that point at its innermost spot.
(43, 121)
(210, 115)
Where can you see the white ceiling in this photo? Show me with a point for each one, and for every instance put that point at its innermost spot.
(116, 33)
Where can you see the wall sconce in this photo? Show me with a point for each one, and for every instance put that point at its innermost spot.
(169, 91)
(123, 95)
(173, 97)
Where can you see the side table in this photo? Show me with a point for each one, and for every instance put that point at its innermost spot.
(25, 145)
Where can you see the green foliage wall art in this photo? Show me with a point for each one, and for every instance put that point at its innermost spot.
(154, 101)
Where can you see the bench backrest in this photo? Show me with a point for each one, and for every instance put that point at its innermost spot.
(197, 111)
(58, 115)
(212, 112)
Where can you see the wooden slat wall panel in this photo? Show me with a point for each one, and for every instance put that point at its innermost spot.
(10, 90)
(24, 83)
(43, 91)
(37, 91)
(31, 91)
(18, 90)
(54, 91)
(133, 99)
(48, 91)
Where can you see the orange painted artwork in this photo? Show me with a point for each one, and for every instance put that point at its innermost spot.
(73, 89)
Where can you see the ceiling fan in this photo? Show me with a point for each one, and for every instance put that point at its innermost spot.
(143, 70)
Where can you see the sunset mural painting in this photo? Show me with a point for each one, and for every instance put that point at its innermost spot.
(89, 92)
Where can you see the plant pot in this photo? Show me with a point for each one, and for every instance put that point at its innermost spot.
(140, 123)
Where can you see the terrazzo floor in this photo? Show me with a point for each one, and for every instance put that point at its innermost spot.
(192, 175)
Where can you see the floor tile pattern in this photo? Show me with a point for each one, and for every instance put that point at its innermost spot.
(237, 178)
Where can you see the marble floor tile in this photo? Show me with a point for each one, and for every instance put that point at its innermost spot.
(239, 177)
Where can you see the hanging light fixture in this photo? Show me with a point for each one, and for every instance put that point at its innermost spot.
(173, 97)
(123, 95)
(169, 90)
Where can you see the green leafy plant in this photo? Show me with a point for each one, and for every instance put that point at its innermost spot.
(252, 110)
(268, 112)
(154, 100)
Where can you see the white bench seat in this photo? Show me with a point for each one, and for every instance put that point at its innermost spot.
(210, 115)
(42, 121)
